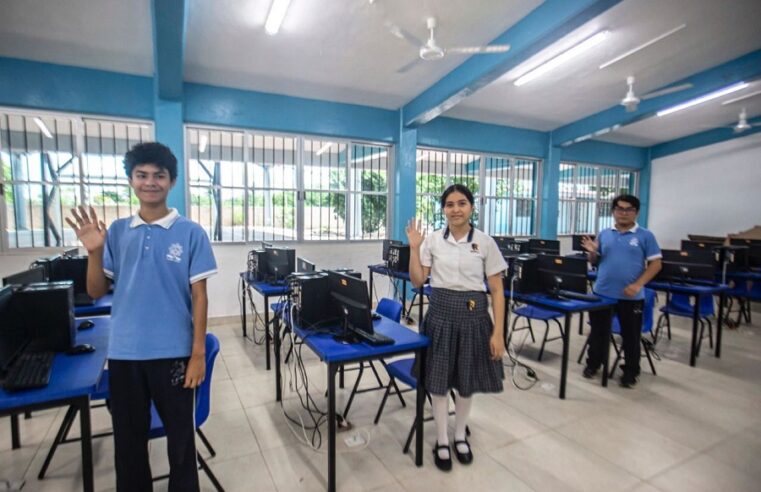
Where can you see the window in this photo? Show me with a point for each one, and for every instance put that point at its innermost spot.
(248, 186)
(52, 163)
(504, 189)
(585, 192)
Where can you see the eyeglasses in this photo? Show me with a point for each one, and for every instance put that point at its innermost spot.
(627, 210)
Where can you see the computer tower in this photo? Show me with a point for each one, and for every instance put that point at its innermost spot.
(73, 268)
(49, 264)
(399, 257)
(46, 312)
(256, 266)
(526, 271)
(310, 296)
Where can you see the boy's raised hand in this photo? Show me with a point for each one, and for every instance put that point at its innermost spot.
(90, 231)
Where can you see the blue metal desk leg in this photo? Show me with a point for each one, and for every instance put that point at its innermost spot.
(86, 433)
(15, 435)
(267, 328)
(419, 410)
(564, 362)
(695, 335)
(332, 369)
(719, 329)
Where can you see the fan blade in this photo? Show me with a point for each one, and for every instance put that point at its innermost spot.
(479, 50)
(404, 35)
(667, 90)
(409, 66)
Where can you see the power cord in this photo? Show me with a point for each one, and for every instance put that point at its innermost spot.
(517, 367)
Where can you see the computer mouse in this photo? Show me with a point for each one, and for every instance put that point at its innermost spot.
(84, 348)
(86, 324)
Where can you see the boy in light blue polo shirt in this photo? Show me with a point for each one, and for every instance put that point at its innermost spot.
(628, 257)
(158, 262)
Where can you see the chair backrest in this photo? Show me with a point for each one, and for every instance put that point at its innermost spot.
(203, 393)
(684, 302)
(647, 314)
(389, 308)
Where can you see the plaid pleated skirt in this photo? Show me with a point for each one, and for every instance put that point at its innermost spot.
(459, 326)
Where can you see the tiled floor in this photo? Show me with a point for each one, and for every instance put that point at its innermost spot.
(689, 429)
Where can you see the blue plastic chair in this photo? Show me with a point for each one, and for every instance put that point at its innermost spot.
(745, 295)
(532, 312)
(681, 306)
(203, 407)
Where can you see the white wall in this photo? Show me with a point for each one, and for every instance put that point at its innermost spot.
(711, 190)
(231, 260)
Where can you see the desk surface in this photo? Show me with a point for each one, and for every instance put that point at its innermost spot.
(562, 305)
(744, 275)
(72, 375)
(384, 270)
(264, 288)
(101, 306)
(329, 350)
(688, 288)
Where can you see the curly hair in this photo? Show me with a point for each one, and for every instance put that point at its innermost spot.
(151, 153)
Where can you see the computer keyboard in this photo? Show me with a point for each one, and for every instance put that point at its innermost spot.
(30, 370)
(374, 338)
(577, 296)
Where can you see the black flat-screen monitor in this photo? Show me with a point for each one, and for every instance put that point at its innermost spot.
(562, 273)
(71, 252)
(698, 266)
(304, 266)
(354, 302)
(544, 246)
(281, 262)
(73, 268)
(689, 245)
(706, 239)
(13, 339)
(387, 246)
(754, 250)
(48, 263)
(34, 274)
(512, 247)
(500, 240)
(267, 245)
(576, 241)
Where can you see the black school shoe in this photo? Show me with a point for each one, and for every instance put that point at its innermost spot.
(441, 463)
(464, 458)
(589, 373)
(628, 381)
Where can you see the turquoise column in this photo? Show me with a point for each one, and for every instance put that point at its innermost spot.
(550, 181)
(168, 119)
(644, 189)
(404, 180)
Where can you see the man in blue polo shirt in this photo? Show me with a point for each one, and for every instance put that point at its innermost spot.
(627, 258)
(158, 262)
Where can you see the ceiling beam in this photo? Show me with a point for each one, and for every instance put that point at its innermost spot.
(744, 68)
(545, 25)
(702, 139)
(169, 29)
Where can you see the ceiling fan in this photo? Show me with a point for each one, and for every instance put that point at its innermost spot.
(430, 50)
(742, 122)
(631, 101)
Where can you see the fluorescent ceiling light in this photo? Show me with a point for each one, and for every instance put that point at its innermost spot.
(737, 99)
(202, 144)
(562, 58)
(324, 148)
(276, 16)
(370, 157)
(708, 97)
(643, 46)
(43, 127)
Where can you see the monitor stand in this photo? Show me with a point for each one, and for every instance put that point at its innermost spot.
(346, 335)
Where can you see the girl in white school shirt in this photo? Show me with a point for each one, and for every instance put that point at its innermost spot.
(466, 344)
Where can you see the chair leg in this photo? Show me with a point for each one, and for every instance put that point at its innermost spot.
(544, 340)
(398, 393)
(383, 404)
(619, 353)
(411, 434)
(354, 389)
(710, 332)
(646, 347)
(700, 337)
(531, 330)
(209, 473)
(71, 412)
(377, 376)
(583, 350)
(206, 443)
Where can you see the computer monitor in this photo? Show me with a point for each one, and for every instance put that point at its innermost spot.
(690, 245)
(512, 247)
(73, 268)
(706, 239)
(48, 263)
(387, 247)
(698, 267)
(354, 303)
(12, 338)
(281, 262)
(754, 250)
(562, 273)
(267, 245)
(71, 252)
(33, 275)
(500, 240)
(544, 246)
(304, 266)
(577, 239)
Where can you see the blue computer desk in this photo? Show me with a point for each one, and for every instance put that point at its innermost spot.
(335, 354)
(72, 379)
(101, 306)
(568, 308)
(382, 269)
(267, 291)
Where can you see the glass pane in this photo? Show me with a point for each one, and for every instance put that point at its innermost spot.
(324, 215)
(465, 170)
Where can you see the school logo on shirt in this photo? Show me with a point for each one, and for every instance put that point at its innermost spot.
(174, 253)
(633, 242)
(474, 247)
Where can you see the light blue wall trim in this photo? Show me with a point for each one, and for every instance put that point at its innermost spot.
(169, 28)
(548, 221)
(212, 105)
(549, 22)
(47, 86)
(453, 133)
(605, 153)
(644, 190)
(701, 139)
(742, 68)
(405, 206)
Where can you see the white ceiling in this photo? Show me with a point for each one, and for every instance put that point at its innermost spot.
(716, 32)
(341, 50)
(338, 50)
(111, 35)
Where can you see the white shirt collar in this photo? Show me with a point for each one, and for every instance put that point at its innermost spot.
(165, 222)
(632, 230)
